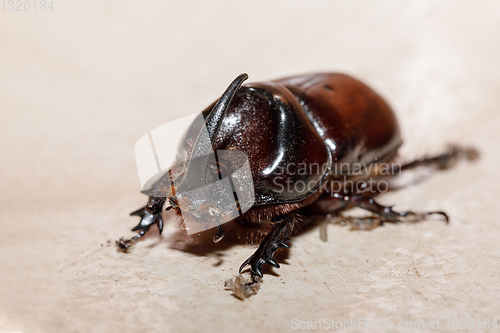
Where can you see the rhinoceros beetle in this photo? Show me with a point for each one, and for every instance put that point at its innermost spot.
(284, 126)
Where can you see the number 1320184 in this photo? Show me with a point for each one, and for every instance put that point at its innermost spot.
(26, 5)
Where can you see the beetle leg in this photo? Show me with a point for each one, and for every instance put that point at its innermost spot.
(278, 236)
(373, 221)
(150, 215)
(359, 223)
(386, 213)
(219, 235)
(126, 244)
(444, 160)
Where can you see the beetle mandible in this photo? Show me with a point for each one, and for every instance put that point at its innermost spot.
(330, 120)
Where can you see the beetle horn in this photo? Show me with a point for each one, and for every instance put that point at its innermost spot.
(204, 145)
(214, 119)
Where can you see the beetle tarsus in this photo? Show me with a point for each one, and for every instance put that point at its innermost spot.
(278, 236)
(417, 217)
(386, 213)
(125, 244)
(359, 223)
(383, 214)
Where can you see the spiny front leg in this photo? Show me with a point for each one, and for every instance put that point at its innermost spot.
(278, 236)
(150, 215)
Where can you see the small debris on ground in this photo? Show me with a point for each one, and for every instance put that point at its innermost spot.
(243, 286)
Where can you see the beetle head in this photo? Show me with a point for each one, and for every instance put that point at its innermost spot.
(223, 190)
(206, 191)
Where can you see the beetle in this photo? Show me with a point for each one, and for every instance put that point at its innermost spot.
(283, 126)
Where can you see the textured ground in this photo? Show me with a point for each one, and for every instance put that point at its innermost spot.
(80, 84)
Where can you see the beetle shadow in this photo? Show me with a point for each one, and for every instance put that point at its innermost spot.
(202, 243)
(235, 234)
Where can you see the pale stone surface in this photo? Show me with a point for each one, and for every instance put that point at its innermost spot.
(80, 84)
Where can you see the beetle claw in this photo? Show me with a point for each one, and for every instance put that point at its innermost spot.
(147, 220)
(277, 237)
(149, 214)
(417, 217)
(272, 261)
(219, 235)
(443, 214)
(283, 244)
